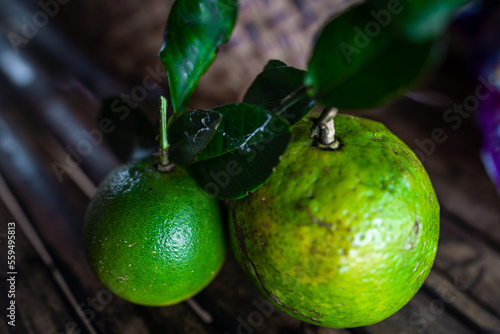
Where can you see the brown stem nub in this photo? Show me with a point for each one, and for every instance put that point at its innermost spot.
(324, 129)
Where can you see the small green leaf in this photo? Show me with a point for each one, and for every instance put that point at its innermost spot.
(236, 174)
(239, 156)
(418, 21)
(242, 125)
(273, 85)
(189, 134)
(194, 31)
(354, 67)
(129, 132)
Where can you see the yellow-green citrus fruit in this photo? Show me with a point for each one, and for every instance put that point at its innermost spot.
(340, 238)
(153, 238)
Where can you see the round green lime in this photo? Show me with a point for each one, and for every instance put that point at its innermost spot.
(153, 238)
(340, 238)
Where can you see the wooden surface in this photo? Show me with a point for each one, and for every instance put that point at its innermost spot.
(56, 292)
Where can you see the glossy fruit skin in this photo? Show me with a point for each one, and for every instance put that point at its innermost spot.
(340, 238)
(153, 238)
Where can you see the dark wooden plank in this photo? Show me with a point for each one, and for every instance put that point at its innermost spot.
(422, 315)
(474, 266)
(454, 295)
(37, 310)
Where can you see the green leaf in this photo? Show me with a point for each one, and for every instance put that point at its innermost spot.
(418, 21)
(190, 133)
(242, 125)
(129, 132)
(273, 85)
(353, 67)
(237, 174)
(241, 154)
(194, 31)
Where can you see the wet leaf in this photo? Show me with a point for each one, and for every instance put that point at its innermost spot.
(242, 125)
(194, 31)
(274, 84)
(240, 149)
(189, 134)
(236, 174)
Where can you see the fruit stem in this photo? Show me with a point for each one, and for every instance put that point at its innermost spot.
(324, 129)
(164, 162)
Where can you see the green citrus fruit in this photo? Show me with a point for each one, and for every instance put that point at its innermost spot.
(340, 238)
(153, 238)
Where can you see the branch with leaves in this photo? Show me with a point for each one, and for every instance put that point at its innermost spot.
(364, 57)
